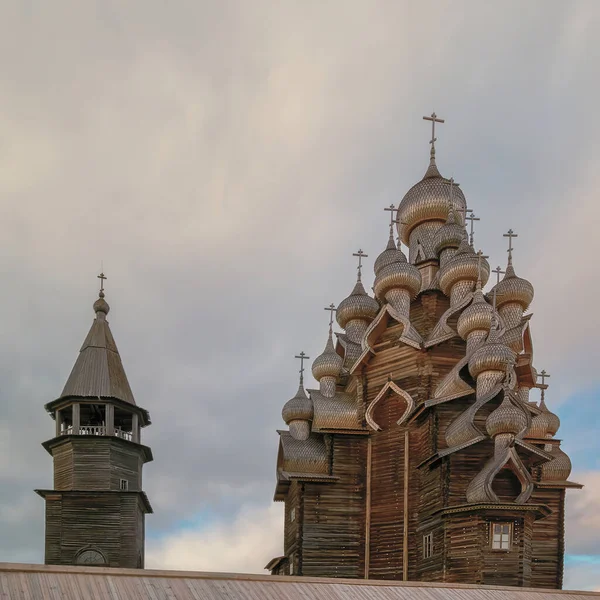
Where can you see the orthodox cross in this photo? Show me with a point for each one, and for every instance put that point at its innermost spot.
(331, 308)
(392, 209)
(102, 277)
(544, 376)
(464, 211)
(433, 118)
(498, 272)
(472, 218)
(302, 356)
(510, 234)
(360, 255)
(452, 184)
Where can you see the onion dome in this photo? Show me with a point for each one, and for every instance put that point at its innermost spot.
(477, 316)
(329, 363)
(513, 289)
(544, 425)
(298, 408)
(392, 270)
(559, 468)
(101, 305)
(428, 201)
(358, 305)
(463, 266)
(449, 235)
(507, 418)
(492, 355)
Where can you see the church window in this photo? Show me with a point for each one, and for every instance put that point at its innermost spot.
(501, 536)
(293, 514)
(123, 485)
(428, 545)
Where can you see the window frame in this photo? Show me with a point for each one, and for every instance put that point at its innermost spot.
(428, 545)
(504, 537)
(292, 514)
(123, 488)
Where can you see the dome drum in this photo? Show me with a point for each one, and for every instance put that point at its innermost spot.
(327, 386)
(299, 430)
(355, 330)
(399, 300)
(511, 313)
(460, 290)
(487, 381)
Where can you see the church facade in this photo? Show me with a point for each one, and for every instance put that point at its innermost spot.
(95, 515)
(422, 456)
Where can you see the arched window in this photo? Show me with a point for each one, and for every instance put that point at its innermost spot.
(90, 556)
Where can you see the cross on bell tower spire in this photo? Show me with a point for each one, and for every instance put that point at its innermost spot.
(102, 277)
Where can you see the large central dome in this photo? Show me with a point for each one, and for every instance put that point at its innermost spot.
(424, 209)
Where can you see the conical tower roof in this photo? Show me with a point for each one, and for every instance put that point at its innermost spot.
(98, 371)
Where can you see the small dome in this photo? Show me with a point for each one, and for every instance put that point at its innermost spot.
(358, 305)
(329, 363)
(491, 356)
(507, 418)
(513, 289)
(544, 425)
(476, 317)
(101, 305)
(557, 469)
(463, 266)
(428, 201)
(449, 235)
(298, 408)
(392, 270)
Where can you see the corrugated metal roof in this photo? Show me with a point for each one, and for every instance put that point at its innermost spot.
(98, 371)
(41, 582)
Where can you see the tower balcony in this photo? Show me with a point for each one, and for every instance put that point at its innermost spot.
(98, 419)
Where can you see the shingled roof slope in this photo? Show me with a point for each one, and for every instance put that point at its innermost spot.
(76, 583)
(98, 371)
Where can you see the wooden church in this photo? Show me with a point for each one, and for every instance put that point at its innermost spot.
(422, 456)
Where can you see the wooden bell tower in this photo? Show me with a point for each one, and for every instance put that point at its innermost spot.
(95, 514)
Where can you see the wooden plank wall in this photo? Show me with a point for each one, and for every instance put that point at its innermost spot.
(548, 540)
(333, 527)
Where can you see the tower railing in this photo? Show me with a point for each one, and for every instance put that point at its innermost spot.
(97, 430)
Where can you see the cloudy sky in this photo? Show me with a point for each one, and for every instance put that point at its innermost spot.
(223, 160)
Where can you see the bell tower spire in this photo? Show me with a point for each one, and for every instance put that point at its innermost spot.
(95, 513)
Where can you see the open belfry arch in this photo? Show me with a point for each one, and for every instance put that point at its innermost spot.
(95, 515)
(422, 456)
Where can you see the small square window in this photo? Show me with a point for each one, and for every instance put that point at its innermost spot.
(123, 484)
(293, 514)
(501, 536)
(428, 545)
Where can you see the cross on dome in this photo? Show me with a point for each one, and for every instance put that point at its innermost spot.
(544, 376)
(332, 309)
(302, 356)
(472, 218)
(360, 255)
(393, 219)
(498, 272)
(510, 234)
(433, 118)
